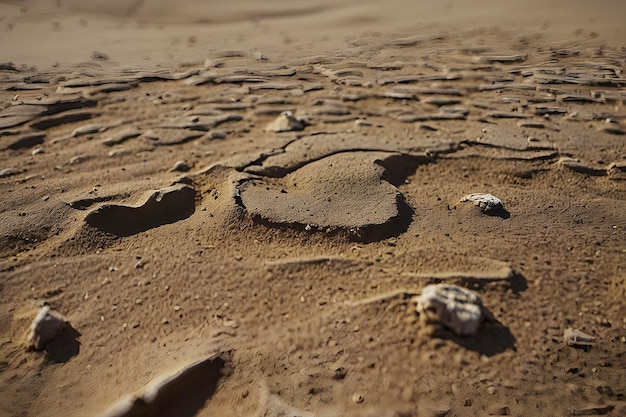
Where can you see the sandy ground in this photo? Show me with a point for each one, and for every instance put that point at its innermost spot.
(148, 196)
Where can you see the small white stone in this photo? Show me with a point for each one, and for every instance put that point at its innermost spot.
(286, 122)
(456, 308)
(357, 398)
(48, 324)
(486, 202)
(259, 56)
(180, 166)
(575, 337)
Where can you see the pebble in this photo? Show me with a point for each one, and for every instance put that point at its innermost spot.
(286, 122)
(592, 411)
(574, 337)
(357, 398)
(99, 56)
(86, 130)
(140, 264)
(216, 134)
(486, 202)
(259, 56)
(180, 166)
(455, 307)
(76, 160)
(7, 172)
(118, 152)
(501, 411)
(48, 325)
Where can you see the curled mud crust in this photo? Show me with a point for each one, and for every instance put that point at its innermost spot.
(164, 206)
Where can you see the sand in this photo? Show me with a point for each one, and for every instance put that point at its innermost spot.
(146, 200)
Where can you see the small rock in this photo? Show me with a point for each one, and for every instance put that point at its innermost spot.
(99, 56)
(37, 151)
(339, 373)
(362, 122)
(357, 398)
(576, 338)
(216, 134)
(120, 137)
(180, 166)
(286, 122)
(118, 152)
(210, 63)
(500, 411)
(592, 411)
(76, 160)
(140, 264)
(456, 308)
(259, 56)
(48, 324)
(7, 172)
(86, 130)
(486, 202)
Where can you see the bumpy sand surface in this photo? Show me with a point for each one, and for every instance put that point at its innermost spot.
(145, 198)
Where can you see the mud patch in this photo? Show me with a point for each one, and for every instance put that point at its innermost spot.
(344, 191)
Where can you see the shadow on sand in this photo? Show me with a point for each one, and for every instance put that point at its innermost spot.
(492, 338)
(65, 346)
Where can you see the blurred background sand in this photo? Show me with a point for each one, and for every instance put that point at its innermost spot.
(174, 32)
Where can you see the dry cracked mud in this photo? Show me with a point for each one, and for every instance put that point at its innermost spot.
(294, 255)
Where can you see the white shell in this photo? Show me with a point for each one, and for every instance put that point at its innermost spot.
(456, 308)
(286, 122)
(574, 337)
(486, 202)
(47, 325)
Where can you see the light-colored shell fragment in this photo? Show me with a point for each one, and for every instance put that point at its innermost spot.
(456, 308)
(574, 337)
(486, 202)
(286, 122)
(48, 324)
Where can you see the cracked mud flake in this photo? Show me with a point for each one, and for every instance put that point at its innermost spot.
(164, 206)
(312, 148)
(341, 191)
(27, 140)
